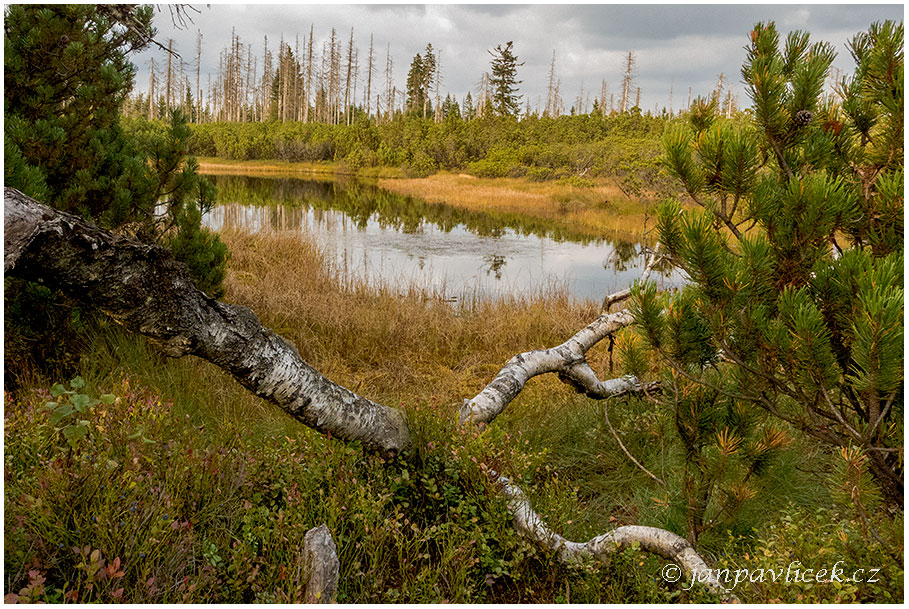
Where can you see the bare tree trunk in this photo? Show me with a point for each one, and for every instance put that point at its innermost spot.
(151, 91)
(198, 116)
(355, 78)
(296, 95)
(438, 108)
(181, 92)
(247, 84)
(369, 71)
(350, 61)
(332, 82)
(282, 67)
(603, 98)
(550, 99)
(557, 100)
(169, 78)
(718, 93)
(389, 96)
(308, 77)
(626, 82)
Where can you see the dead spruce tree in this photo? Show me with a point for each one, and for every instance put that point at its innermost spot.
(142, 288)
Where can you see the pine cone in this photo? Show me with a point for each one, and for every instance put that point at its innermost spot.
(802, 118)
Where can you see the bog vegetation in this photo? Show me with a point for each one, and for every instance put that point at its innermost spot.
(777, 436)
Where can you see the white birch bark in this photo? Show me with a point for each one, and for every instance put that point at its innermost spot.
(146, 291)
(568, 360)
(654, 540)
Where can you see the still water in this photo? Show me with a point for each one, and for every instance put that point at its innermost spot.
(401, 242)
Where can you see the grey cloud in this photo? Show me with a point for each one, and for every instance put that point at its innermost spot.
(675, 45)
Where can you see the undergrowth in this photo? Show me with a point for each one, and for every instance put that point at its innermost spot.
(185, 488)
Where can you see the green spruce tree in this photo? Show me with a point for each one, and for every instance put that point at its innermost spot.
(67, 75)
(416, 86)
(505, 98)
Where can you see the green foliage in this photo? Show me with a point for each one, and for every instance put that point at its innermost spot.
(202, 251)
(67, 412)
(849, 565)
(67, 75)
(783, 317)
(155, 508)
(587, 147)
(504, 67)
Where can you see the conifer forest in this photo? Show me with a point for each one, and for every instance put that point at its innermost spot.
(308, 318)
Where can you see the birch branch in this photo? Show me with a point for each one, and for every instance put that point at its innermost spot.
(654, 540)
(568, 360)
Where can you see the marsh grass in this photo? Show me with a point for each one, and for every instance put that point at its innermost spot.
(599, 209)
(275, 168)
(197, 491)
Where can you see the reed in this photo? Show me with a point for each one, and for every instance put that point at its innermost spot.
(391, 346)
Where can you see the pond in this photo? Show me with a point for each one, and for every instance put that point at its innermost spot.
(401, 242)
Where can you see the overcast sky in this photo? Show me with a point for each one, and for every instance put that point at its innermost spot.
(675, 46)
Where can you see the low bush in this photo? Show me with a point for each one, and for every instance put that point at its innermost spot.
(143, 504)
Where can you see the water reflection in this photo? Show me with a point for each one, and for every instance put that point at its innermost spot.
(398, 241)
(623, 253)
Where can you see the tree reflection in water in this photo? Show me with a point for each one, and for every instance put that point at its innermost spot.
(495, 262)
(402, 242)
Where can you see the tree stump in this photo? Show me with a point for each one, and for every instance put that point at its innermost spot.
(320, 565)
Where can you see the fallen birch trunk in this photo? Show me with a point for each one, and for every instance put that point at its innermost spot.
(144, 289)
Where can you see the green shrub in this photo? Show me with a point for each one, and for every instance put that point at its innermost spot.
(540, 174)
(816, 539)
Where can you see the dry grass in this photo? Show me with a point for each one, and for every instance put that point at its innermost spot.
(392, 348)
(322, 169)
(601, 210)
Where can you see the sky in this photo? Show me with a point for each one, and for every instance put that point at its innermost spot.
(675, 46)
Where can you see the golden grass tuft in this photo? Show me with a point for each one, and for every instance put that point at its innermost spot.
(602, 210)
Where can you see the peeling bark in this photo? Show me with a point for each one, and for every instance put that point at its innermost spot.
(654, 540)
(143, 288)
(320, 565)
(568, 360)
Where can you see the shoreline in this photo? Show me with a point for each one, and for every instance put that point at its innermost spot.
(597, 208)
